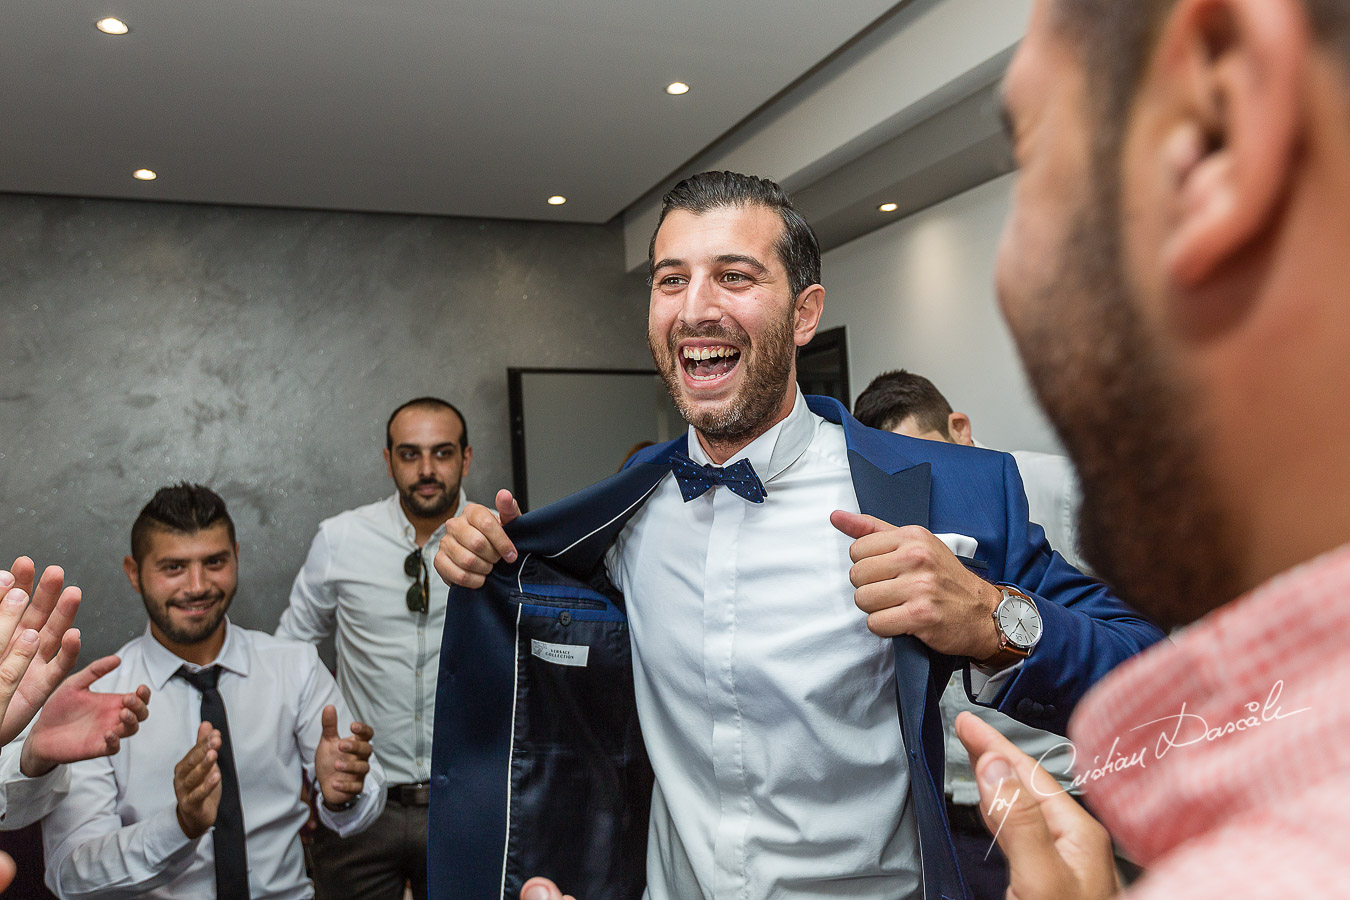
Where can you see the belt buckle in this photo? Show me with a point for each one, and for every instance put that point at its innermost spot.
(413, 794)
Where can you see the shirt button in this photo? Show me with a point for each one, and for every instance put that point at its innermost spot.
(418, 717)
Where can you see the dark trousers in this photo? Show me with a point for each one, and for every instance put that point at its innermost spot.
(375, 864)
(982, 863)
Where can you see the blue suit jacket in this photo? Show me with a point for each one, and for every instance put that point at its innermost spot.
(538, 767)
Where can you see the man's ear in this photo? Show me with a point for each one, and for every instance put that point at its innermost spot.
(468, 458)
(805, 321)
(388, 462)
(958, 429)
(133, 571)
(1235, 70)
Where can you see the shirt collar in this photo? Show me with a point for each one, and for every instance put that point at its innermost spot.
(406, 529)
(161, 662)
(773, 451)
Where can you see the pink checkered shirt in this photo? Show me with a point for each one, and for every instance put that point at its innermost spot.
(1240, 786)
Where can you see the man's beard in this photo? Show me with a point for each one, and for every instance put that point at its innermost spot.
(192, 634)
(764, 383)
(1150, 523)
(441, 504)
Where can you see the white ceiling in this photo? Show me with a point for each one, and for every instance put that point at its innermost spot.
(467, 108)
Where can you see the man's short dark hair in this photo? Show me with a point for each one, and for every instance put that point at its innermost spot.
(426, 403)
(797, 248)
(182, 508)
(1118, 37)
(893, 397)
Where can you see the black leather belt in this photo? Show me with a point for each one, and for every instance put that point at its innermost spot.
(410, 794)
(965, 819)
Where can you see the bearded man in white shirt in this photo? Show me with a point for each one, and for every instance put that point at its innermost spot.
(795, 753)
(206, 802)
(367, 578)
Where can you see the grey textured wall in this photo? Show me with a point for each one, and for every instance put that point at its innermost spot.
(260, 351)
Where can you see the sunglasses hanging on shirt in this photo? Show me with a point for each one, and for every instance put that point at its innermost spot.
(419, 594)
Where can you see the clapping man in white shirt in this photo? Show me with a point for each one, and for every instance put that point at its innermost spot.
(368, 578)
(207, 801)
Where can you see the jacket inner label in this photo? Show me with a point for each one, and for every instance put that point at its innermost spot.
(561, 654)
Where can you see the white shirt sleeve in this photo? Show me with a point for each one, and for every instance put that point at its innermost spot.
(25, 800)
(312, 613)
(985, 683)
(90, 853)
(321, 690)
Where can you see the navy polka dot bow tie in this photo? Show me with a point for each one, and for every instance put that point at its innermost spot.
(696, 480)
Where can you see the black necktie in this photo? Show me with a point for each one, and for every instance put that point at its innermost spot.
(696, 480)
(231, 853)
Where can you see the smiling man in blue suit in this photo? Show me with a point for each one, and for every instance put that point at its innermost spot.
(716, 674)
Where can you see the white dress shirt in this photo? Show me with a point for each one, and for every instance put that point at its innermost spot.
(1053, 498)
(387, 657)
(116, 834)
(24, 800)
(768, 709)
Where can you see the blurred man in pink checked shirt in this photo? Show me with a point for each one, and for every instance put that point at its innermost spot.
(1175, 271)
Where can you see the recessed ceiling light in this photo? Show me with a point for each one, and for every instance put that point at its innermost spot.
(677, 87)
(144, 175)
(111, 26)
(557, 200)
(888, 207)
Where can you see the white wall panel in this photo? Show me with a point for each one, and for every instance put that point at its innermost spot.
(919, 295)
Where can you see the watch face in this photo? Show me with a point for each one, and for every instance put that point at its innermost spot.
(1019, 621)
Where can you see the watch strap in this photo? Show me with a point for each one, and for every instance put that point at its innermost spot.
(1008, 653)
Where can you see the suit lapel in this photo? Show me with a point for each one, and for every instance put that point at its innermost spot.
(892, 488)
(900, 498)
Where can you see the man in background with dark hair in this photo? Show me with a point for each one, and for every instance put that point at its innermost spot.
(897, 397)
(1174, 272)
(240, 718)
(909, 404)
(367, 579)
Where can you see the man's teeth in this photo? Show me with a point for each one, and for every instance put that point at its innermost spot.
(699, 353)
(693, 356)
